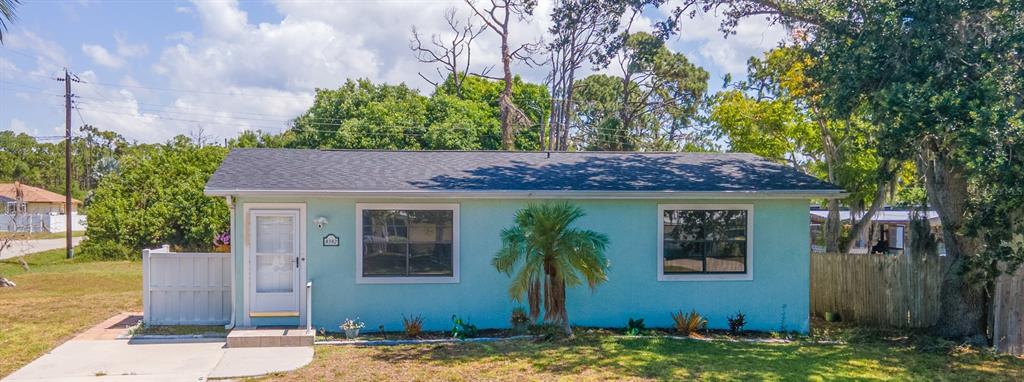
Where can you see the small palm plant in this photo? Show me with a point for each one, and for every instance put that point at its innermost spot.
(550, 255)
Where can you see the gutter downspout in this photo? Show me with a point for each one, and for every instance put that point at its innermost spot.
(231, 207)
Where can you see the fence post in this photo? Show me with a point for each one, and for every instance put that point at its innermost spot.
(145, 287)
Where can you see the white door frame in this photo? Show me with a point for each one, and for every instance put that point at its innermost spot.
(247, 209)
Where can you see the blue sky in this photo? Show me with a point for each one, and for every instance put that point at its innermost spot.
(155, 69)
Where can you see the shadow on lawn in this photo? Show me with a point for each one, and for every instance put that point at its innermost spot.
(669, 359)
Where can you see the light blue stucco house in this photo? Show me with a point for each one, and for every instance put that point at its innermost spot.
(382, 234)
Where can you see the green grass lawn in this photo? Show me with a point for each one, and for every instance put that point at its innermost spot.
(58, 298)
(598, 357)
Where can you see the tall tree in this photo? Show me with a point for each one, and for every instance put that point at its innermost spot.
(943, 79)
(363, 115)
(580, 29)
(776, 114)
(550, 255)
(453, 55)
(656, 99)
(498, 17)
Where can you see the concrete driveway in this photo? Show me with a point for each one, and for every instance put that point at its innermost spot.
(93, 356)
(27, 247)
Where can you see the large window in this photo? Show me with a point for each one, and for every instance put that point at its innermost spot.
(705, 242)
(407, 243)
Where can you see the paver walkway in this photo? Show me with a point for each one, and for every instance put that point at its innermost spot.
(96, 355)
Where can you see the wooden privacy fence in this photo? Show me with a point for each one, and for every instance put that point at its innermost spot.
(880, 290)
(1008, 313)
(186, 288)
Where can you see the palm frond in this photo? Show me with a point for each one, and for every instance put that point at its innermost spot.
(512, 250)
(550, 255)
(7, 15)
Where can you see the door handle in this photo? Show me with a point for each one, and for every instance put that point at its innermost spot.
(296, 263)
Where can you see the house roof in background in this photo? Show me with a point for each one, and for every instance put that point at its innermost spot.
(883, 216)
(32, 194)
(287, 171)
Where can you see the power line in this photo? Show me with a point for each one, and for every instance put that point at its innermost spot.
(200, 91)
(281, 125)
(281, 129)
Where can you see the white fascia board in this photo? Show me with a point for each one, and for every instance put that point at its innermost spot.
(538, 194)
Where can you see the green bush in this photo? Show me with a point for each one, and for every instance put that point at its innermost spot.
(463, 329)
(156, 197)
(93, 249)
(635, 327)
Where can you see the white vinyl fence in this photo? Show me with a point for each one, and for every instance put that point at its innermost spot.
(41, 223)
(186, 288)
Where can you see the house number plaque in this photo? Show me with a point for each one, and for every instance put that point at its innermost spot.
(331, 240)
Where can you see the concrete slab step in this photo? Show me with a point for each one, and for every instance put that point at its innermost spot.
(269, 337)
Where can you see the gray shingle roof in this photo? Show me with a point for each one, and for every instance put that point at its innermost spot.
(280, 170)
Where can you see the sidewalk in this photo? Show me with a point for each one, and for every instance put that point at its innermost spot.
(95, 355)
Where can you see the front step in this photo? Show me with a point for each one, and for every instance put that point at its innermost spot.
(269, 337)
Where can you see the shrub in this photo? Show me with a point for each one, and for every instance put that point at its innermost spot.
(156, 197)
(463, 329)
(101, 250)
(519, 317)
(413, 325)
(737, 322)
(689, 323)
(635, 327)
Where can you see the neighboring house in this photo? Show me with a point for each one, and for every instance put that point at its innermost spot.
(34, 200)
(888, 225)
(382, 234)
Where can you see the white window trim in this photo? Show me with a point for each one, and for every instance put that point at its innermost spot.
(454, 279)
(748, 276)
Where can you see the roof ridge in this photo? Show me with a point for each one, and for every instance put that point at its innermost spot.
(502, 151)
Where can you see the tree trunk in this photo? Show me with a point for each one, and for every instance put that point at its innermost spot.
(505, 103)
(962, 312)
(625, 115)
(833, 227)
(857, 228)
(567, 113)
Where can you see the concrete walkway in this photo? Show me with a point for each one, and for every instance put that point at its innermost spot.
(27, 247)
(95, 356)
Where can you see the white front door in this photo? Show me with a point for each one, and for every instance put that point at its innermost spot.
(275, 262)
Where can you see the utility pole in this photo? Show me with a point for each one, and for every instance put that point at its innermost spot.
(67, 159)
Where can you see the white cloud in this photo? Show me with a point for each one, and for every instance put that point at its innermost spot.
(126, 49)
(101, 56)
(8, 70)
(233, 74)
(49, 56)
(729, 54)
(18, 126)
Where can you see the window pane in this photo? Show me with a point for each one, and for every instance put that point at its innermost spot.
(704, 241)
(384, 259)
(274, 234)
(728, 257)
(408, 242)
(683, 257)
(430, 259)
(274, 273)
